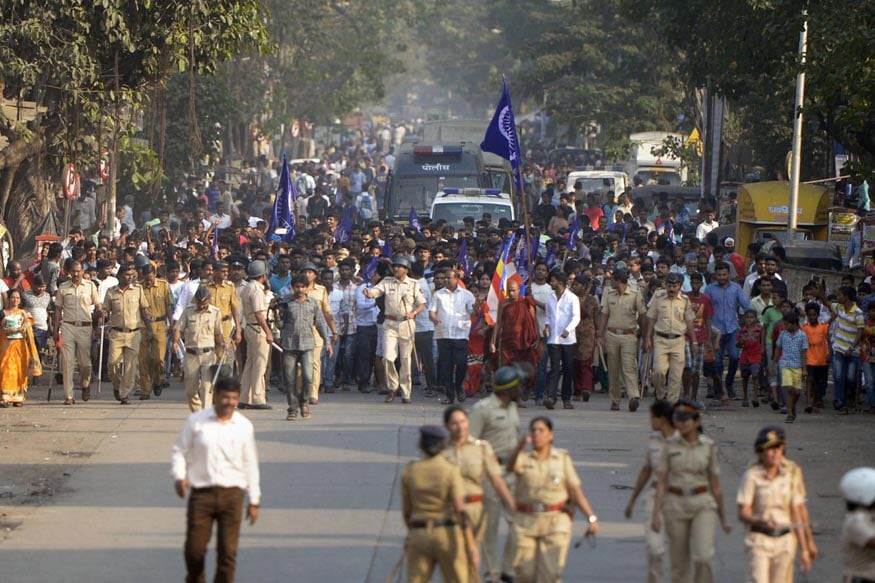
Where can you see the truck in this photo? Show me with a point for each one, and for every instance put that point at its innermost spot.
(647, 167)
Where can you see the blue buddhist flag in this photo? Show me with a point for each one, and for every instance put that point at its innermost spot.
(572, 235)
(501, 137)
(462, 258)
(387, 250)
(282, 220)
(413, 220)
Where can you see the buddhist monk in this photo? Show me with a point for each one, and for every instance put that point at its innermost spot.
(515, 338)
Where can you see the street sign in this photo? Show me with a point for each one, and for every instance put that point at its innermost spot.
(70, 180)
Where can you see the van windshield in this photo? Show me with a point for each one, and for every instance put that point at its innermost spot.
(454, 212)
(418, 191)
(649, 177)
(595, 184)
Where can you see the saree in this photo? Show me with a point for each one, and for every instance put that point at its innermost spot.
(18, 357)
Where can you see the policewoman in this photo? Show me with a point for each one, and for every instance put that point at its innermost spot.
(433, 505)
(477, 461)
(771, 502)
(547, 491)
(689, 498)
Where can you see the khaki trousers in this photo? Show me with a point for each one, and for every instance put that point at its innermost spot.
(541, 547)
(226, 334)
(75, 348)
(398, 338)
(124, 359)
(198, 379)
(317, 365)
(770, 559)
(493, 510)
(668, 357)
(153, 351)
(622, 356)
(441, 546)
(689, 525)
(654, 541)
(252, 379)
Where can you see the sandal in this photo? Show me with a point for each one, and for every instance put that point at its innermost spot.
(305, 411)
(293, 416)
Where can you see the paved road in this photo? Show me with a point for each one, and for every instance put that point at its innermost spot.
(331, 501)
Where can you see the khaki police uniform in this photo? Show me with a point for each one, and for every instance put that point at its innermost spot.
(477, 462)
(240, 352)
(224, 297)
(123, 307)
(542, 527)
(428, 488)
(254, 300)
(621, 340)
(669, 318)
(402, 297)
(654, 541)
(689, 511)
(153, 350)
(199, 331)
(498, 425)
(771, 555)
(76, 303)
(320, 295)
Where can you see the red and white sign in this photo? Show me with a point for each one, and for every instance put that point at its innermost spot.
(70, 180)
(103, 165)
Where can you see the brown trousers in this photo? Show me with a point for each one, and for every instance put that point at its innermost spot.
(205, 505)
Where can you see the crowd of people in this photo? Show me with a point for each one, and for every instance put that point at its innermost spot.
(634, 296)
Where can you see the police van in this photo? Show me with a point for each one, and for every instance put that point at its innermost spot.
(421, 170)
(454, 204)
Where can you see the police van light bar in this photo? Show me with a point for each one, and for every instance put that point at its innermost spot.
(432, 150)
(473, 191)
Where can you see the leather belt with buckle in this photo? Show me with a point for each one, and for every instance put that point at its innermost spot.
(432, 523)
(80, 324)
(396, 318)
(125, 330)
(226, 318)
(777, 533)
(687, 491)
(668, 336)
(198, 350)
(623, 331)
(534, 508)
(474, 498)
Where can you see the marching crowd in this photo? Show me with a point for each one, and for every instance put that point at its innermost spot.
(631, 295)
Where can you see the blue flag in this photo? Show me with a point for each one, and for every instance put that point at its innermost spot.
(572, 234)
(413, 220)
(370, 269)
(501, 137)
(462, 258)
(344, 229)
(535, 245)
(521, 260)
(550, 259)
(669, 233)
(387, 250)
(282, 221)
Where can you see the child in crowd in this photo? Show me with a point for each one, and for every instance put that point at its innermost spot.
(817, 357)
(750, 341)
(790, 349)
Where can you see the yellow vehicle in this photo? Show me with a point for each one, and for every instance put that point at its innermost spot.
(764, 212)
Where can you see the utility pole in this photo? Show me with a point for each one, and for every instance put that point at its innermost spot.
(796, 154)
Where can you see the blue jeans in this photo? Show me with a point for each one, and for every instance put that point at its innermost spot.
(365, 353)
(727, 348)
(869, 371)
(344, 357)
(329, 363)
(844, 377)
(541, 379)
(296, 397)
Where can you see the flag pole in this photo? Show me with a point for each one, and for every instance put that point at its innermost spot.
(522, 196)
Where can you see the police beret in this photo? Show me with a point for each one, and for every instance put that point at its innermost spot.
(769, 436)
(202, 294)
(433, 432)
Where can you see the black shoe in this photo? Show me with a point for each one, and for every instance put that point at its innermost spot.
(125, 401)
(145, 397)
(549, 402)
(633, 405)
(242, 406)
(156, 390)
(260, 406)
(365, 389)
(116, 394)
(406, 401)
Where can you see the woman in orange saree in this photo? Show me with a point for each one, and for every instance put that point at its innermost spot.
(18, 352)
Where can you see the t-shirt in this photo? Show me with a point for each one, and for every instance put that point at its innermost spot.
(702, 309)
(38, 307)
(772, 316)
(818, 344)
(749, 339)
(847, 324)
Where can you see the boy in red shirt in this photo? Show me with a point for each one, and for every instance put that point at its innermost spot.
(750, 341)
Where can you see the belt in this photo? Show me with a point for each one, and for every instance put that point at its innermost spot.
(158, 318)
(687, 491)
(198, 350)
(432, 523)
(777, 533)
(623, 331)
(474, 498)
(126, 330)
(82, 324)
(533, 508)
(669, 336)
(226, 318)
(396, 318)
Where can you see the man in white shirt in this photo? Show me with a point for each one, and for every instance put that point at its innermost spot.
(540, 290)
(451, 310)
(186, 293)
(215, 456)
(706, 226)
(562, 317)
(221, 219)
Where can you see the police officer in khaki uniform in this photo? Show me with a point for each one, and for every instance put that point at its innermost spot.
(547, 491)
(200, 327)
(771, 502)
(432, 503)
(669, 323)
(404, 301)
(689, 498)
(621, 310)
(663, 428)
(259, 338)
(319, 294)
(496, 420)
(128, 313)
(478, 463)
(223, 295)
(153, 350)
(74, 302)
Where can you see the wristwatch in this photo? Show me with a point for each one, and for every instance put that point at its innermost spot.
(592, 518)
